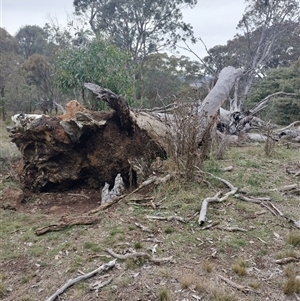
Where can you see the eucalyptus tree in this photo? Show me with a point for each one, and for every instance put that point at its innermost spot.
(273, 19)
(98, 62)
(269, 38)
(137, 26)
(32, 39)
(8, 67)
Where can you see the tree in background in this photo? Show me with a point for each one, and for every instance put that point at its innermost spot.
(8, 67)
(270, 39)
(40, 74)
(167, 76)
(32, 39)
(139, 27)
(281, 109)
(97, 62)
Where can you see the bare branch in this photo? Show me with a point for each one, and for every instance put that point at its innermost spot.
(102, 268)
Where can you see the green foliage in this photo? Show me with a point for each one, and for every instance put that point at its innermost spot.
(97, 62)
(282, 109)
(138, 26)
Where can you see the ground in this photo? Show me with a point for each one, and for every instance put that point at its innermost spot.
(34, 267)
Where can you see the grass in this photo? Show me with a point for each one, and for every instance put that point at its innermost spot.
(292, 285)
(138, 245)
(207, 266)
(187, 280)
(240, 267)
(163, 294)
(294, 238)
(92, 246)
(82, 248)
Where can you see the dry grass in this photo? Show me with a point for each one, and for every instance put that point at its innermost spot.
(163, 294)
(186, 281)
(207, 266)
(292, 285)
(184, 141)
(294, 238)
(240, 267)
(286, 253)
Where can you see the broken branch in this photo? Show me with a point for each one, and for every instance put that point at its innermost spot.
(67, 221)
(242, 288)
(102, 268)
(217, 198)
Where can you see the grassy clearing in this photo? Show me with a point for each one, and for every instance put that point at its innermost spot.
(28, 262)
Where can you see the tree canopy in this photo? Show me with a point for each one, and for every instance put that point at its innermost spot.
(281, 109)
(97, 62)
(137, 26)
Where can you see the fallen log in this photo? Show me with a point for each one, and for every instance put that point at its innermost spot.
(88, 148)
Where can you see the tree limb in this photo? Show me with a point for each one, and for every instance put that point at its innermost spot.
(102, 268)
(66, 221)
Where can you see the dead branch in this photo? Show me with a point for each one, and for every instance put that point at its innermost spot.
(270, 206)
(242, 288)
(80, 195)
(211, 225)
(287, 187)
(99, 284)
(168, 218)
(263, 103)
(287, 260)
(232, 229)
(289, 126)
(143, 228)
(66, 221)
(139, 254)
(102, 268)
(217, 198)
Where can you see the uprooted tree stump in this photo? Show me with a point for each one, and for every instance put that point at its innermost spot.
(85, 147)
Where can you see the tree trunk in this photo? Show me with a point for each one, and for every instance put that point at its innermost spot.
(85, 147)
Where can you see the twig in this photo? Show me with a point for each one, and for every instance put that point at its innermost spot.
(143, 228)
(211, 225)
(78, 194)
(139, 254)
(287, 260)
(232, 229)
(242, 288)
(271, 207)
(168, 218)
(102, 268)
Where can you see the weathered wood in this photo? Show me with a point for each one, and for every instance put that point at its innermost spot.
(66, 221)
(103, 268)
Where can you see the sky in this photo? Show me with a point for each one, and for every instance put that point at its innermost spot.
(213, 20)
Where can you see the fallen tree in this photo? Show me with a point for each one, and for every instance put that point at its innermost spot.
(84, 147)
